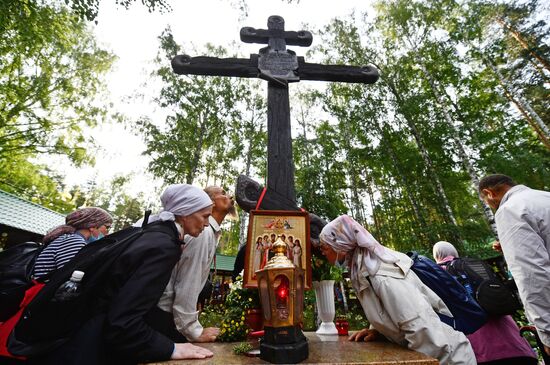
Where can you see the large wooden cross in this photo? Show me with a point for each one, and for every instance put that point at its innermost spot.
(278, 66)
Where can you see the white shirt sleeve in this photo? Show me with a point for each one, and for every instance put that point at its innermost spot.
(529, 262)
(192, 273)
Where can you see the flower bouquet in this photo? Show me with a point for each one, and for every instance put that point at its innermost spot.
(321, 269)
(237, 303)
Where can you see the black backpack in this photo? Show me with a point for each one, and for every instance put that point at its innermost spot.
(485, 286)
(46, 323)
(16, 267)
(468, 316)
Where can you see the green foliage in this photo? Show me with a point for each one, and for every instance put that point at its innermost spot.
(213, 124)
(88, 9)
(113, 197)
(242, 297)
(50, 73)
(241, 348)
(233, 327)
(320, 164)
(321, 269)
(309, 311)
(229, 239)
(50, 82)
(35, 183)
(356, 319)
(212, 315)
(237, 302)
(405, 153)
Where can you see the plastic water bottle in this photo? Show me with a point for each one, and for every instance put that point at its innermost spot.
(70, 289)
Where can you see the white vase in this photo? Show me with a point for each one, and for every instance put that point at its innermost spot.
(324, 298)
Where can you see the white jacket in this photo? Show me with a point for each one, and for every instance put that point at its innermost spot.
(523, 224)
(402, 308)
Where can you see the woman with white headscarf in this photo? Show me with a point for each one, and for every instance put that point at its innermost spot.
(444, 251)
(121, 332)
(396, 303)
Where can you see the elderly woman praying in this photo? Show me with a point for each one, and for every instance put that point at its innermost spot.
(396, 303)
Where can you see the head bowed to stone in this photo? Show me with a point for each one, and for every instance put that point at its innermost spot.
(346, 235)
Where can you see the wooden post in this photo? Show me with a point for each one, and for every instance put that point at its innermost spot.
(279, 67)
(280, 164)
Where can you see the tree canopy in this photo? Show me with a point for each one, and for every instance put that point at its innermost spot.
(464, 91)
(51, 77)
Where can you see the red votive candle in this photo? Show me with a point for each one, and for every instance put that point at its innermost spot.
(342, 326)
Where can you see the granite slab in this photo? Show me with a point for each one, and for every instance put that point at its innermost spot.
(322, 350)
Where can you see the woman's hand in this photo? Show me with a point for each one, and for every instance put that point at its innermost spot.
(365, 335)
(184, 351)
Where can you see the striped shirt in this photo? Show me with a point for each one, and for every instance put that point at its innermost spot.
(58, 253)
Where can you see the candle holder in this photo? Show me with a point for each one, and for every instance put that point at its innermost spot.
(342, 326)
(281, 286)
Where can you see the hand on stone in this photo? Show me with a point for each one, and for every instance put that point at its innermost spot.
(184, 351)
(547, 350)
(365, 335)
(208, 335)
(496, 246)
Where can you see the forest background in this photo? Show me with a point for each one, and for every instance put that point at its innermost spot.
(464, 91)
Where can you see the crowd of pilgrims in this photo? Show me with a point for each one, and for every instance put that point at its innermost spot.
(148, 311)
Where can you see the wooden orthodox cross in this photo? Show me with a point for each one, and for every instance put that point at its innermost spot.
(279, 67)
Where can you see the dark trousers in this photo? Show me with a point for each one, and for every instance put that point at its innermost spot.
(86, 347)
(163, 322)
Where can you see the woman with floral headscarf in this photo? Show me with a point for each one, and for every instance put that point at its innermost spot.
(82, 226)
(396, 303)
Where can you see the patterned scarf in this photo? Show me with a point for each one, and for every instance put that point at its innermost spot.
(83, 218)
(346, 235)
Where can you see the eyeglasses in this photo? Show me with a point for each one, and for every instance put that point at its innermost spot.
(107, 226)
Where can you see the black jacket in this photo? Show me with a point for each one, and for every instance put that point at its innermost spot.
(136, 283)
(117, 331)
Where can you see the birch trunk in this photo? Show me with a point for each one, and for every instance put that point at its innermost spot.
(532, 123)
(524, 44)
(248, 164)
(374, 214)
(385, 141)
(523, 105)
(197, 153)
(357, 204)
(462, 155)
(428, 162)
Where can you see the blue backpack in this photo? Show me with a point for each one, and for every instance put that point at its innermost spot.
(468, 316)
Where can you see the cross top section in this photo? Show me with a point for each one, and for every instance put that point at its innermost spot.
(275, 35)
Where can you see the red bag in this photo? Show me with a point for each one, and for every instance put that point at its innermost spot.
(7, 327)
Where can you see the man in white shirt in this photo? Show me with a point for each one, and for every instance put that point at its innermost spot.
(192, 271)
(523, 224)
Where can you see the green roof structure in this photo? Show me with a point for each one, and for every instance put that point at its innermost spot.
(27, 216)
(224, 262)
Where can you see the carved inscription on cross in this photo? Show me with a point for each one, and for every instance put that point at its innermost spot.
(278, 66)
